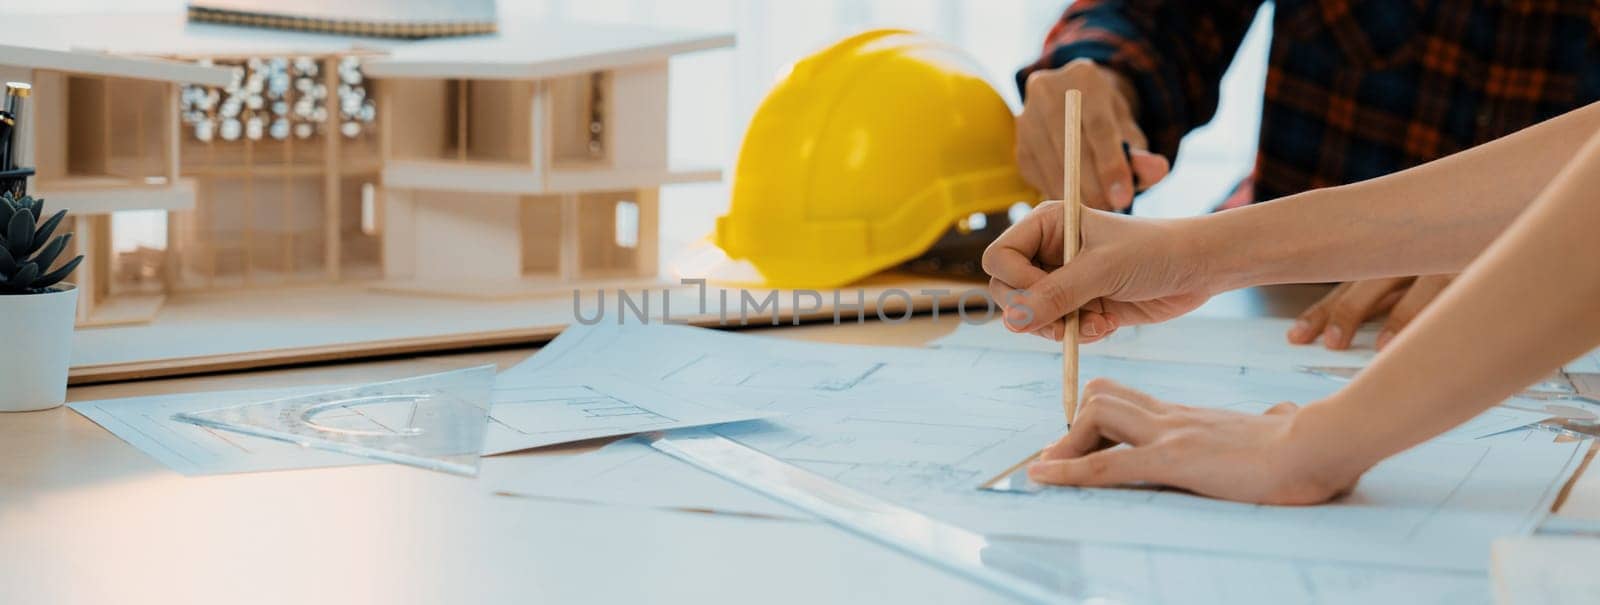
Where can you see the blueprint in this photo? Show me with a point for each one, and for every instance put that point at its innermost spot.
(695, 356)
(1547, 570)
(533, 410)
(784, 376)
(1164, 576)
(1437, 506)
(1255, 342)
(1137, 574)
(146, 423)
(924, 427)
(687, 359)
(528, 411)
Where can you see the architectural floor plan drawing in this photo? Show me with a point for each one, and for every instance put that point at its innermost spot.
(694, 356)
(1161, 576)
(898, 436)
(1255, 342)
(763, 373)
(1435, 507)
(532, 410)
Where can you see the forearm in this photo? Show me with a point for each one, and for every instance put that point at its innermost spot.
(1528, 305)
(1430, 219)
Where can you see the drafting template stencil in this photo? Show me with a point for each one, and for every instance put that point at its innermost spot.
(529, 411)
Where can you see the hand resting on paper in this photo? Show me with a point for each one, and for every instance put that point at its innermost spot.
(1336, 317)
(1217, 453)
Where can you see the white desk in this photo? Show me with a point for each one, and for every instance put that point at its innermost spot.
(85, 518)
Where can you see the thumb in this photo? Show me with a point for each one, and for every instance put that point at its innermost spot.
(1148, 168)
(1054, 295)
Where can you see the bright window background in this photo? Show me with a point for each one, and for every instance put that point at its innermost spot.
(713, 93)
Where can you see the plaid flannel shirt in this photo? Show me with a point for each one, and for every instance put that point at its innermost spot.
(1355, 88)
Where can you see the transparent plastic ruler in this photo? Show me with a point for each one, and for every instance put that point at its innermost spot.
(956, 550)
(435, 422)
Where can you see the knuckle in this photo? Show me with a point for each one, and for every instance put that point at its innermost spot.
(1100, 125)
(1347, 313)
(990, 261)
(1294, 492)
(1079, 65)
(1401, 316)
(1317, 311)
(1089, 408)
(1040, 79)
(1184, 438)
(1098, 385)
(1095, 466)
(1049, 292)
(1115, 169)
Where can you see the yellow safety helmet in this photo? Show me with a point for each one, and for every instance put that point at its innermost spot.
(862, 156)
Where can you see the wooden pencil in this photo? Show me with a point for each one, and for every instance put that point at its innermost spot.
(1070, 204)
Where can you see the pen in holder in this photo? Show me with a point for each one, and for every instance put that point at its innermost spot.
(15, 180)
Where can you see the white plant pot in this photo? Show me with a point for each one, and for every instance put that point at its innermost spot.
(36, 348)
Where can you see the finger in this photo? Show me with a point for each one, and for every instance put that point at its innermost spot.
(1051, 297)
(1118, 466)
(1014, 257)
(1148, 168)
(1006, 298)
(1108, 417)
(1108, 387)
(1042, 133)
(1113, 178)
(1111, 320)
(1092, 325)
(1055, 120)
(1002, 293)
(1046, 159)
(1103, 324)
(1124, 313)
(1309, 325)
(1362, 301)
(1027, 165)
(1128, 126)
(1287, 407)
(1089, 183)
(1417, 297)
(1100, 325)
(1105, 333)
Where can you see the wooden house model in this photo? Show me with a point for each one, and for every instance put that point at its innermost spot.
(545, 164)
(516, 164)
(101, 132)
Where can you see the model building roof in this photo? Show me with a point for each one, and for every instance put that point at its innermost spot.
(171, 35)
(528, 50)
(102, 64)
(523, 49)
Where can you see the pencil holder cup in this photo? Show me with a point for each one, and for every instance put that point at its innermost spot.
(15, 180)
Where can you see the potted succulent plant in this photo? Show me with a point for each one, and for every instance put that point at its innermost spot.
(36, 308)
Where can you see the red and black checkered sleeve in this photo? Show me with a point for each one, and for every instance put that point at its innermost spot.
(1172, 51)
